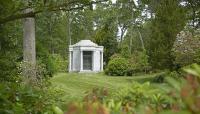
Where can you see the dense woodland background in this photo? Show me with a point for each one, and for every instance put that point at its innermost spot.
(139, 37)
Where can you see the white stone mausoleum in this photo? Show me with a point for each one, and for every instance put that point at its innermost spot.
(85, 56)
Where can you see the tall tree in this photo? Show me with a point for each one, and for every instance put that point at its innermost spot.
(193, 12)
(40, 6)
(29, 52)
(106, 36)
(169, 21)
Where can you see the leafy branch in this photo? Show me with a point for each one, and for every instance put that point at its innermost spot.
(61, 7)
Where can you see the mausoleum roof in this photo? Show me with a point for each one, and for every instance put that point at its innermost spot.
(85, 43)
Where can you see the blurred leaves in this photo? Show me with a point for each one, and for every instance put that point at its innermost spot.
(193, 70)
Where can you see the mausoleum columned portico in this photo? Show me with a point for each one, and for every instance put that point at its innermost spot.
(85, 56)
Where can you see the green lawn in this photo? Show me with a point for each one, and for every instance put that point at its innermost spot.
(76, 84)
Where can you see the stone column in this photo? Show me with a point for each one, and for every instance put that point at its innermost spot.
(101, 60)
(81, 61)
(93, 60)
(70, 60)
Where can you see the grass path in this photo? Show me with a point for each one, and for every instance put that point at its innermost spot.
(76, 84)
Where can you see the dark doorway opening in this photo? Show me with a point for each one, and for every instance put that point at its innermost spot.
(87, 60)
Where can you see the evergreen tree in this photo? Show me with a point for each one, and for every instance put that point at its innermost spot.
(169, 21)
(106, 37)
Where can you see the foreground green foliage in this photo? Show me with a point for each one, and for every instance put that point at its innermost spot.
(177, 96)
(21, 99)
(112, 95)
(75, 85)
(144, 33)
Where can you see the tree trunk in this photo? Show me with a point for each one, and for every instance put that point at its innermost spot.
(132, 19)
(69, 27)
(29, 53)
(141, 39)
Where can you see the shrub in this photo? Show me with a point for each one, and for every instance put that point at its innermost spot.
(117, 67)
(197, 57)
(93, 103)
(59, 63)
(139, 94)
(116, 55)
(160, 77)
(87, 108)
(125, 51)
(51, 64)
(8, 68)
(186, 48)
(120, 64)
(138, 62)
(130, 71)
(40, 69)
(46, 62)
(17, 98)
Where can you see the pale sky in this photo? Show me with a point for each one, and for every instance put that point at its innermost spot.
(119, 32)
(113, 1)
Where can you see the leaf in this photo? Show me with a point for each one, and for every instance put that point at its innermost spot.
(194, 70)
(173, 83)
(191, 71)
(57, 110)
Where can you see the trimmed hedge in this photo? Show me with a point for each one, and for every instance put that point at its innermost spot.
(117, 67)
